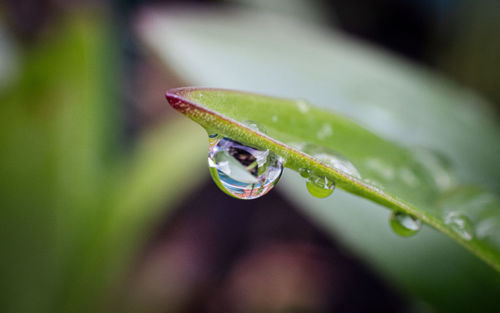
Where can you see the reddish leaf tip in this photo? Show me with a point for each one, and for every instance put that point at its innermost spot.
(175, 100)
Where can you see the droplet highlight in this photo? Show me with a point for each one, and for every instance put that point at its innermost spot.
(243, 172)
(405, 224)
(460, 224)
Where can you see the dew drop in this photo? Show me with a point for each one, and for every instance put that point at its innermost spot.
(319, 186)
(241, 171)
(330, 158)
(405, 224)
(325, 131)
(380, 169)
(460, 224)
(255, 126)
(438, 166)
(303, 105)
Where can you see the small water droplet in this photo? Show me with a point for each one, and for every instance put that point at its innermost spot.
(489, 231)
(405, 224)
(241, 171)
(380, 169)
(255, 126)
(330, 158)
(319, 186)
(374, 185)
(409, 177)
(325, 131)
(439, 167)
(303, 105)
(460, 224)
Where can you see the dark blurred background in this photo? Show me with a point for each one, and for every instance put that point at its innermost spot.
(217, 254)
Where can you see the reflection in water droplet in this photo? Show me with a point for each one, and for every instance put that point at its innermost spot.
(241, 171)
(405, 224)
(460, 224)
(212, 138)
(319, 186)
(329, 158)
(304, 172)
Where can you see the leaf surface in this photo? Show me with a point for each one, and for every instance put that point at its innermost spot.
(392, 98)
(386, 173)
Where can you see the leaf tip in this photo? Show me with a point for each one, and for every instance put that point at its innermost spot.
(175, 100)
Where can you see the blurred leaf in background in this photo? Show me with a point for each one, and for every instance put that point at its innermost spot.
(73, 206)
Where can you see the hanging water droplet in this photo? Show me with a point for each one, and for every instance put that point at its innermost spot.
(460, 224)
(405, 224)
(319, 186)
(241, 171)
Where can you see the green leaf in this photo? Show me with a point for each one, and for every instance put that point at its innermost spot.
(388, 174)
(392, 98)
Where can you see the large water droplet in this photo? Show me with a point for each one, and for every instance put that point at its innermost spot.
(405, 224)
(460, 224)
(241, 171)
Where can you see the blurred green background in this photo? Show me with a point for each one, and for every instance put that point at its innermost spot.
(105, 199)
